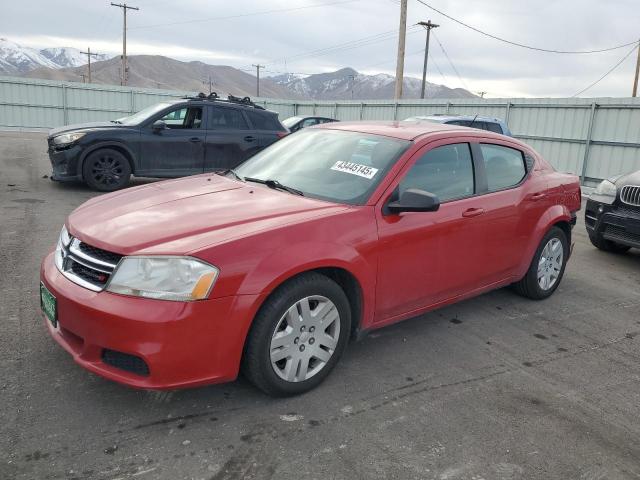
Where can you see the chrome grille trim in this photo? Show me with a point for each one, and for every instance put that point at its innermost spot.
(72, 255)
(630, 194)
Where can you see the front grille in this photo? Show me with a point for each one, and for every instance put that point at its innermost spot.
(630, 194)
(614, 232)
(88, 266)
(126, 362)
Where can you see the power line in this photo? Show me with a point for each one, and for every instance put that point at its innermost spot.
(450, 62)
(510, 42)
(608, 72)
(241, 15)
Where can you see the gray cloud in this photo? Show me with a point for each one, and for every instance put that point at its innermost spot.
(483, 63)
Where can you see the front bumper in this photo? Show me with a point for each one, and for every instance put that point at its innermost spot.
(183, 344)
(65, 163)
(617, 223)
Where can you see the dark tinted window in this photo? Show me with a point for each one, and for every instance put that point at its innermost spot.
(309, 122)
(445, 171)
(462, 123)
(492, 127)
(263, 121)
(185, 118)
(504, 166)
(226, 118)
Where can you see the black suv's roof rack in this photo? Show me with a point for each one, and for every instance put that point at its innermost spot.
(214, 97)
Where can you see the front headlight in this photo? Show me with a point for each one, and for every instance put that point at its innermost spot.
(67, 138)
(606, 192)
(64, 240)
(181, 279)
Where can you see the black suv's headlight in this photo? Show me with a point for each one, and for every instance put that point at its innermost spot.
(605, 192)
(67, 138)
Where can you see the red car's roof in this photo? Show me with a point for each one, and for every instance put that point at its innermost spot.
(404, 130)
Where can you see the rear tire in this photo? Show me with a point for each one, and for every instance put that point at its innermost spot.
(547, 267)
(106, 170)
(298, 336)
(601, 243)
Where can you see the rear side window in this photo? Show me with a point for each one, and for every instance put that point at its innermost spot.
(504, 166)
(227, 118)
(263, 121)
(445, 171)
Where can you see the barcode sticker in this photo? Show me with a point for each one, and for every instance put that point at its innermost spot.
(355, 169)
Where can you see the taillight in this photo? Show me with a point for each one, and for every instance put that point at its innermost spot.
(282, 134)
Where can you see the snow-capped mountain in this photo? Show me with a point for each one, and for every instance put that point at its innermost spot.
(347, 83)
(16, 59)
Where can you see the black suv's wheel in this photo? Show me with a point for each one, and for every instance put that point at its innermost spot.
(297, 336)
(547, 267)
(601, 243)
(106, 170)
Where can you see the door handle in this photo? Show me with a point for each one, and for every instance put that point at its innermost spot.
(538, 196)
(472, 212)
(195, 139)
(249, 138)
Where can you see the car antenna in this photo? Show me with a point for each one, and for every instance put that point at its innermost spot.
(473, 121)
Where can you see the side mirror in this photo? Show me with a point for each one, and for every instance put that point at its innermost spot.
(414, 200)
(158, 125)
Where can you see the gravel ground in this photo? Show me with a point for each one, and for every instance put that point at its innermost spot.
(497, 387)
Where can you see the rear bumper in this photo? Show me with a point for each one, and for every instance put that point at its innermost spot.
(182, 344)
(619, 224)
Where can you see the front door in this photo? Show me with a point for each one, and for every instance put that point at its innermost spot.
(429, 257)
(176, 150)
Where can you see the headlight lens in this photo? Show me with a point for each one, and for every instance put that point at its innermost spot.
(606, 192)
(64, 240)
(67, 138)
(181, 279)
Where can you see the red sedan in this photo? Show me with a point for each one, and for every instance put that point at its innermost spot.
(331, 232)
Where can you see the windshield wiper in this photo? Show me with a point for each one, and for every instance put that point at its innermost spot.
(232, 172)
(275, 184)
(116, 121)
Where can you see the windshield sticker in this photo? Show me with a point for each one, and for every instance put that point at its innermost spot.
(355, 169)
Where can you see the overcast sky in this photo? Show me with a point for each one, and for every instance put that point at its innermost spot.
(203, 30)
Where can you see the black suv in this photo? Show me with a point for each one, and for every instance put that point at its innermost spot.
(170, 139)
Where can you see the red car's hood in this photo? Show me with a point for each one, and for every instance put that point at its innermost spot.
(184, 215)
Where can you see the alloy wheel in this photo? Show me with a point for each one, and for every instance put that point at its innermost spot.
(305, 338)
(107, 170)
(550, 264)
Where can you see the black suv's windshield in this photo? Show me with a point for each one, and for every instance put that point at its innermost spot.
(143, 114)
(338, 166)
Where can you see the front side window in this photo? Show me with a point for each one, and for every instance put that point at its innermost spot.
(184, 118)
(504, 166)
(339, 166)
(445, 171)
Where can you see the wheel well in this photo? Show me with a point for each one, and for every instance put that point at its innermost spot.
(118, 148)
(566, 228)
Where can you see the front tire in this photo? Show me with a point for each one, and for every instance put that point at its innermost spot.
(547, 267)
(297, 336)
(106, 170)
(601, 243)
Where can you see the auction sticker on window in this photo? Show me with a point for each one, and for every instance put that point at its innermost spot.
(355, 169)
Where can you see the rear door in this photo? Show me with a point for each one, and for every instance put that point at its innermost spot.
(514, 199)
(266, 127)
(229, 141)
(177, 150)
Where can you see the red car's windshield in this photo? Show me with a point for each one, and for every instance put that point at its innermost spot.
(338, 166)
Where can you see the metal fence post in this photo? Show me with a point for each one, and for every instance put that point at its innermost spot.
(295, 109)
(587, 147)
(314, 108)
(335, 110)
(361, 109)
(65, 112)
(448, 108)
(132, 103)
(506, 113)
(395, 111)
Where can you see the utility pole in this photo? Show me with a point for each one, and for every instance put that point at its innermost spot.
(635, 81)
(402, 33)
(83, 77)
(89, 55)
(482, 94)
(124, 72)
(258, 67)
(352, 78)
(428, 25)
